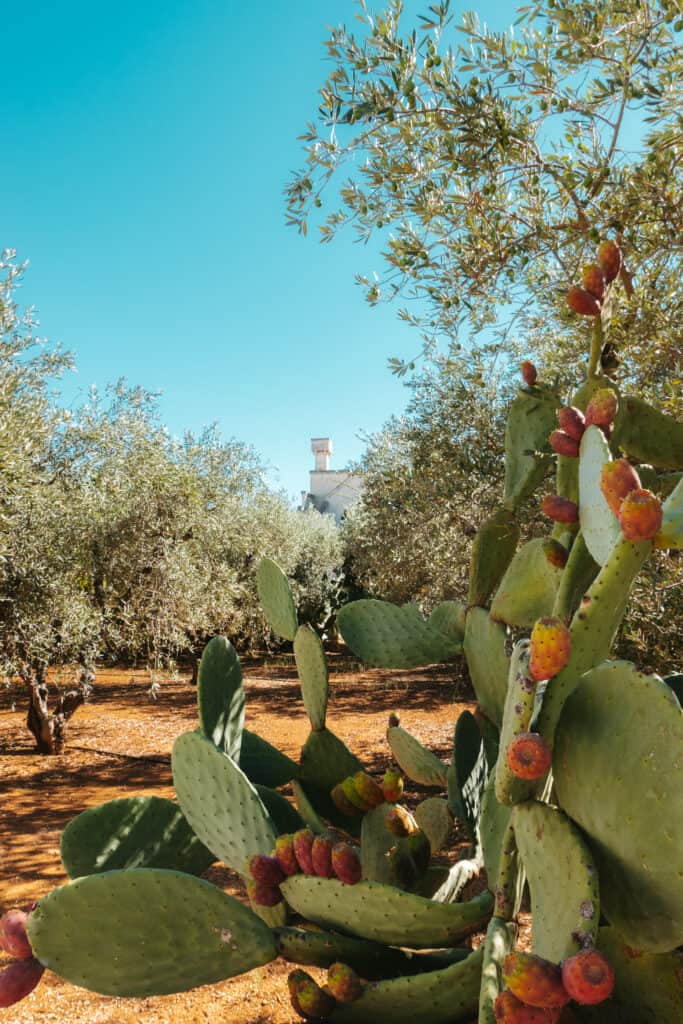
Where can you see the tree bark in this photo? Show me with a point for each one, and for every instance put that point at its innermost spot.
(49, 729)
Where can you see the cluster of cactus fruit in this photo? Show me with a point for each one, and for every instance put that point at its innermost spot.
(568, 779)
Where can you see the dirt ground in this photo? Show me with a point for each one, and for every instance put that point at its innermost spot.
(119, 744)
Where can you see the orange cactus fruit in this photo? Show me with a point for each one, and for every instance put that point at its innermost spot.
(529, 372)
(346, 863)
(368, 790)
(594, 281)
(343, 804)
(602, 408)
(535, 981)
(550, 647)
(344, 983)
(308, 999)
(508, 1009)
(321, 856)
(582, 302)
(561, 510)
(640, 515)
(264, 895)
(528, 756)
(400, 822)
(392, 785)
(572, 421)
(286, 857)
(610, 260)
(588, 977)
(617, 480)
(264, 869)
(303, 846)
(563, 444)
(555, 553)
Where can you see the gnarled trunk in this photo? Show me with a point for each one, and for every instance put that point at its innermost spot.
(49, 729)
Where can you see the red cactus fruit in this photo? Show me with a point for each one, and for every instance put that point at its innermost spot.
(353, 796)
(534, 980)
(321, 855)
(19, 980)
(13, 937)
(588, 977)
(508, 1009)
(307, 998)
(264, 895)
(265, 870)
(550, 648)
(286, 857)
(594, 281)
(528, 756)
(610, 259)
(602, 408)
(343, 803)
(344, 983)
(368, 790)
(392, 785)
(640, 515)
(555, 553)
(529, 372)
(303, 845)
(400, 822)
(582, 302)
(346, 863)
(561, 510)
(572, 421)
(563, 444)
(618, 479)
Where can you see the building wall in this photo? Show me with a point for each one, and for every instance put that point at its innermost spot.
(333, 491)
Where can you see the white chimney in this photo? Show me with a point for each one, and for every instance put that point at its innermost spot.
(322, 449)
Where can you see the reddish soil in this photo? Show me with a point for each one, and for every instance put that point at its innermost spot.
(119, 744)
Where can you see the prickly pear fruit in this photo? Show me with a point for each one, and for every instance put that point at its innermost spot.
(321, 855)
(19, 980)
(582, 302)
(563, 444)
(265, 870)
(528, 756)
(309, 1000)
(400, 822)
(13, 937)
(602, 408)
(593, 280)
(561, 510)
(368, 790)
(550, 648)
(508, 1009)
(534, 980)
(618, 479)
(640, 515)
(346, 863)
(588, 977)
(286, 857)
(609, 258)
(344, 983)
(343, 803)
(529, 372)
(264, 895)
(572, 421)
(555, 553)
(392, 785)
(353, 796)
(303, 845)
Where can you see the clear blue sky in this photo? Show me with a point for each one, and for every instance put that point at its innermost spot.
(146, 146)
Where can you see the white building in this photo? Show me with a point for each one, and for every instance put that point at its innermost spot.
(330, 491)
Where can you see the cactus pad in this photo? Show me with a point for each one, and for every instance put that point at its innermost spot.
(275, 596)
(671, 533)
(311, 664)
(449, 618)
(146, 931)
(527, 590)
(500, 938)
(619, 774)
(263, 763)
(284, 815)
(383, 634)
(468, 771)
(135, 832)
(435, 820)
(220, 696)
(487, 662)
(648, 435)
(530, 422)
(599, 525)
(493, 826)
(418, 763)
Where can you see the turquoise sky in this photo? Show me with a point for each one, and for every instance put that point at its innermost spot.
(146, 146)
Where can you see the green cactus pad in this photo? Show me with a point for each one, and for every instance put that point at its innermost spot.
(311, 664)
(599, 525)
(383, 634)
(579, 573)
(146, 931)
(492, 551)
(671, 533)
(220, 696)
(648, 990)
(306, 809)
(276, 599)
(528, 589)
(135, 832)
(219, 802)
(375, 843)
(283, 814)
(384, 914)
(648, 435)
(500, 938)
(493, 826)
(435, 820)
(563, 880)
(273, 917)
(263, 763)
(468, 771)
(487, 662)
(418, 763)
(447, 996)
(531, 420)
(325, 762)
(618, 770)
(449, 618)
(519, 708)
